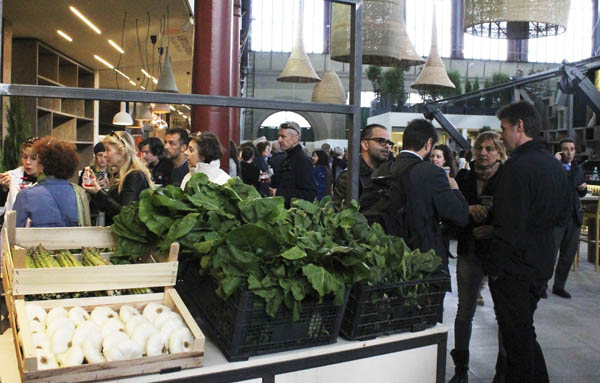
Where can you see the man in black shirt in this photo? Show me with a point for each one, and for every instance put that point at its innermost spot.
(295, 176)
(176, 143)
(153, 152)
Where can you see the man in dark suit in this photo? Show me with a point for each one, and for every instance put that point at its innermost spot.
(531, 199)
(432, 196)
(567, 236)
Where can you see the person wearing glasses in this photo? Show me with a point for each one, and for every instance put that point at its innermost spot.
(477, 184)
(133, 176)
(375, 148)
(53, 201)
(294, 178)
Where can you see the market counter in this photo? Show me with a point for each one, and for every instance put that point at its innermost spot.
(418, 357)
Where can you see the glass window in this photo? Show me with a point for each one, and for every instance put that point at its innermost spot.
(273, 24)
(418, 25)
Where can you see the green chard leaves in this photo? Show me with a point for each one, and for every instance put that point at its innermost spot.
(284, 256)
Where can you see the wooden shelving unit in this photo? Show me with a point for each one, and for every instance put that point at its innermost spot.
(33, 62)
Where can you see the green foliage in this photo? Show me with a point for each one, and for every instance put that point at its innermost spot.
(500, 98)
(468, 86)
(437, 93)
(374, 74)
(18, 130)
(282, 255)
(476, 84)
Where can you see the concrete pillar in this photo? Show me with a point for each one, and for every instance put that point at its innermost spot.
(234, 133)
(457, 27)
(211, 73)
(517, 50)
(596, 29)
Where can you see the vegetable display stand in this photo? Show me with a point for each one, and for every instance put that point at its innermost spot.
(394, 307)
(241, 327)
(19, 281)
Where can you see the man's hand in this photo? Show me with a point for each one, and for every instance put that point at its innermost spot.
(478, 212)
(452, 182)
(483, 232)
(272, 192)
(558, 156)
(5, 180)
(582, 187)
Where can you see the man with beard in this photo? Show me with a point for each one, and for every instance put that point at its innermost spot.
(375, 146)
(432, 195)
(176, 143)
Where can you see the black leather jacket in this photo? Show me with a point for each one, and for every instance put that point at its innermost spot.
(111, 202)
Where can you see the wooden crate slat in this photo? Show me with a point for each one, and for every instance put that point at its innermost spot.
(173, 298)
(56, 238)
(96, 278)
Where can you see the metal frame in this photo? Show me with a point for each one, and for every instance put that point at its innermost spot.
(352, 111)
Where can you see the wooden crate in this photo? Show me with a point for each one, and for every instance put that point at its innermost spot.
(19, 282)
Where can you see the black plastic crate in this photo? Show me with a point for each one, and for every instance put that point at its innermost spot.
(393, 308)
(241, 327)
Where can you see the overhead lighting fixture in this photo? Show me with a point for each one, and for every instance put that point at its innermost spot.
(154, 80)
(160, 108)
(132, 83)
(104, 62)
(85, 20)
(143, 87)
(122, 118)
(117, 47)
(172, 107)
(185, 106)
(122, 74)
(64, 35)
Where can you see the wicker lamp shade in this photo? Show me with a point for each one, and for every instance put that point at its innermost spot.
(433, 75)
(385, 40)
(298, 67)
(516, 19)
(330, 90)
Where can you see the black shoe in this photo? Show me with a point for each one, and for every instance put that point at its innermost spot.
(544, 295)
(461, 369)
(561, 293)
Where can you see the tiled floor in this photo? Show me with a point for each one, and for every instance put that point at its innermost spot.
(568, 330)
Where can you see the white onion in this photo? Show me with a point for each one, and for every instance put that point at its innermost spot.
(153, 310)
(126, 312)
(181, 340)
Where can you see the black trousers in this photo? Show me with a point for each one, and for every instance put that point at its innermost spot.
(567, 240)
(515, 302)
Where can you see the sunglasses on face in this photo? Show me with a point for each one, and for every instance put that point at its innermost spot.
(381, 141)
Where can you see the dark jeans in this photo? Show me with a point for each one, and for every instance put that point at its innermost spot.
(469, 276)
(515, 302)
(567, 240)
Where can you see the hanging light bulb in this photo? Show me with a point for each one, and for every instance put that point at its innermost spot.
(516, 19)
(433, 75)
(122, 118)
(298, 67)
(166, 80)
(142, 112)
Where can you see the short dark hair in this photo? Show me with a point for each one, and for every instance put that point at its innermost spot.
(323, 157)
(566, 140)
(208, 146)
(262, 146)
(59, 158)
(417, 133)
(367, 131)
(247, 153)
(155, 145)
(524, 111)
(184, 138)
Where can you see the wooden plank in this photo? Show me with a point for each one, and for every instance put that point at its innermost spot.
(117, 369)
(29, 359)
(174, 298)
(174, 252)
(9, 365)
(55, 238)
(96, 278)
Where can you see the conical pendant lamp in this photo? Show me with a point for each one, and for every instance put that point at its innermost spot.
(298, 67)
(433, 75)
(330, 90)
(166, 81)
(516, 19)
(385, 40)
(122, 118)
(142, 112)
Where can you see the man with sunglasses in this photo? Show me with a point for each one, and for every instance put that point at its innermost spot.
(375, 148)
(294, 178)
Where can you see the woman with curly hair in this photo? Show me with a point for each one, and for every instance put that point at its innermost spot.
(53, 201)
(132, 177)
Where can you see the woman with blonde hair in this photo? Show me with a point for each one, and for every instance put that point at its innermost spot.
(132, 177)
(477, 185)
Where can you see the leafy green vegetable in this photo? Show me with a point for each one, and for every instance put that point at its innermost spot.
(284, 256)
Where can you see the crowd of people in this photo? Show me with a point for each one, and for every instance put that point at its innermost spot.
(510, 209)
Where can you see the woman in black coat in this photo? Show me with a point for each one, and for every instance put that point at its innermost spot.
(477, 185)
